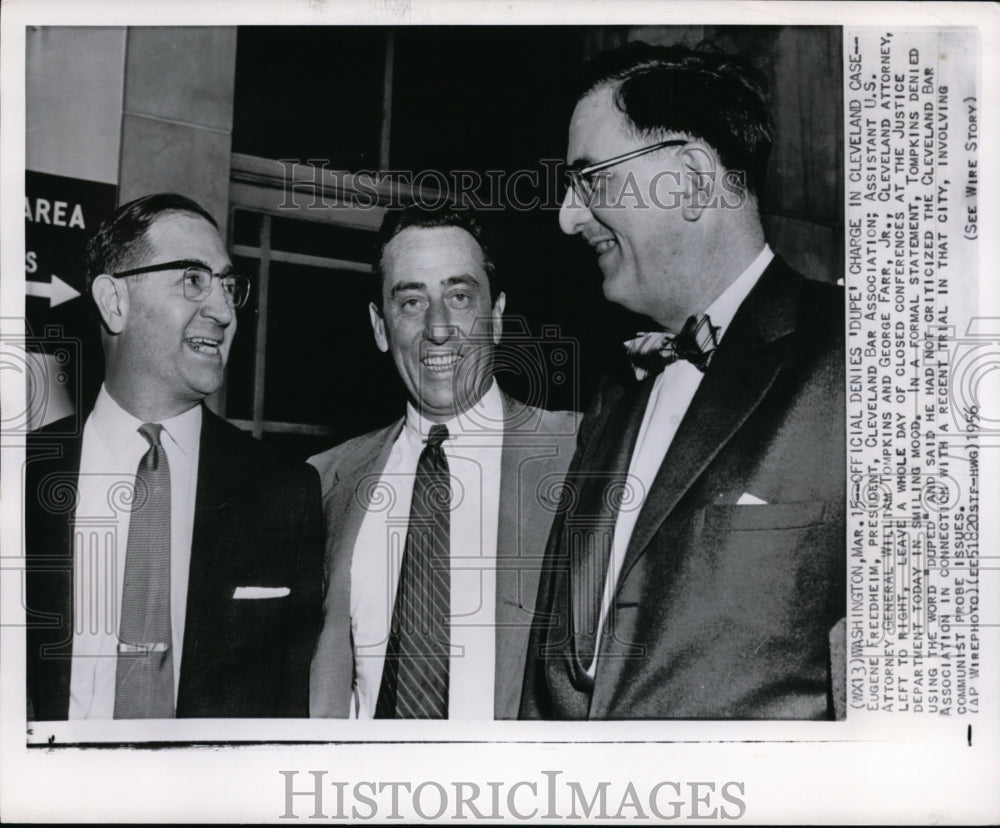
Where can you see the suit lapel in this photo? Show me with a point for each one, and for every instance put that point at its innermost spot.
(744, 368)
(219, 524)
(352, 494)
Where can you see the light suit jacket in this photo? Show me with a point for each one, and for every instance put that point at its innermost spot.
(537, 447)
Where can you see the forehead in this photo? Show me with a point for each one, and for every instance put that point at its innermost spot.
(430, 254)
(177, 235)
(598, 129)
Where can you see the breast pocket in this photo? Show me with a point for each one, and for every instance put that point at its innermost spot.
(764, 557)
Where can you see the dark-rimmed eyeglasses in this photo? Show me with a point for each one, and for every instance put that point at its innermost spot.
(198, 280)
(582, 179)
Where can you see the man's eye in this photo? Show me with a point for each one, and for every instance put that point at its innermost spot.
(460, 299)
(194, 278)
(598, 179)
(411, 304)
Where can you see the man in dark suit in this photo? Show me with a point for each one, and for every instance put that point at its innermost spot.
(699, 572)
(438, 312)
(173, 562)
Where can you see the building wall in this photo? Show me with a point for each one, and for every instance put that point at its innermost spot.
(73, 101)
(149, 109)
(141, 109)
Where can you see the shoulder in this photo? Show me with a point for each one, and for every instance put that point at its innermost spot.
(556, 422)
(531, 419)
(241, 453)
(350, 454)
(785, 305)
(817, 337)
(818, 302)
(823, 302)
(62, 432)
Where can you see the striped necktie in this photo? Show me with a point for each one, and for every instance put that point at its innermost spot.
(415, 676)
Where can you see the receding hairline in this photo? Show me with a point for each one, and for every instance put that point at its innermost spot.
(443, 227)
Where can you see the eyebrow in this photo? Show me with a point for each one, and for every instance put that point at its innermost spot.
(581, 162)
(224, 272)
(402, 287)
(461, 279)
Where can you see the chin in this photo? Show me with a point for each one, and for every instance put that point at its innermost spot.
(204, 386)
(614, 293)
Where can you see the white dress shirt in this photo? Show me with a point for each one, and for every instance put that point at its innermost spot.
(673, 390)
(473, 450)
(112, 449)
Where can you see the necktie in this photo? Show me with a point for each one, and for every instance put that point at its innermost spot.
(651, 352)
(144, 682)
(415, 676)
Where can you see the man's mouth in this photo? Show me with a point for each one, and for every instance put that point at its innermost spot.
(440, 362)
(204, 345)
(602, 245)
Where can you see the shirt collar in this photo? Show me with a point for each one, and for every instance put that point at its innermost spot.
(724, 308)
(115, 426)
(484, 417)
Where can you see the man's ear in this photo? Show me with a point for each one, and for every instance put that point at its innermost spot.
(497, 317)
(378, 327)
(700, 167)
(111, 297)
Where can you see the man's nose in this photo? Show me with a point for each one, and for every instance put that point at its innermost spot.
(216, 306)
(438, 325)
(573, 213)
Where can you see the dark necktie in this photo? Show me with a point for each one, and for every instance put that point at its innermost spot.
(651, 352)
(144, 682)
(415, 676)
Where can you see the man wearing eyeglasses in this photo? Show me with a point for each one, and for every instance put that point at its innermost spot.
(173, 561)
(699, 572)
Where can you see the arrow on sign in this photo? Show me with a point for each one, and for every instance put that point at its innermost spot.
(56, 291)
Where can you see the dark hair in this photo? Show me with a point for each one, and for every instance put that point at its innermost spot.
(121, 239)
(697, 90)
(396, 221)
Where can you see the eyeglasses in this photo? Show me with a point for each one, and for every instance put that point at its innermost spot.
(582, 179)
(198, 281)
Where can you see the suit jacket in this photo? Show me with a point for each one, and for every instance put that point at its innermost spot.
(257, 522)
(537, 447)
(724, 610)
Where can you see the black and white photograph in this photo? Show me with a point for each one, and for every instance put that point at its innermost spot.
(605, 397)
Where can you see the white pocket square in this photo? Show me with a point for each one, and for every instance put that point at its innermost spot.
(260, 592)
(747, 499)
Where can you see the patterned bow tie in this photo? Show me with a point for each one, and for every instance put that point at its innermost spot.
(651, 352)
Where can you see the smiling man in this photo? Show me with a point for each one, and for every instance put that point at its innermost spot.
(173, 562)
(713, 587)
(436, 524)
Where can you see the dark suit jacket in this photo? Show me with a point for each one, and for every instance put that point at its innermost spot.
(537, 447)
(257, 523)
(724, 610)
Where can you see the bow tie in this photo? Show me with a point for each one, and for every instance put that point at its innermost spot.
(651, 352)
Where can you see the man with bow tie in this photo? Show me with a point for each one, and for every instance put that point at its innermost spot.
(697, 568)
